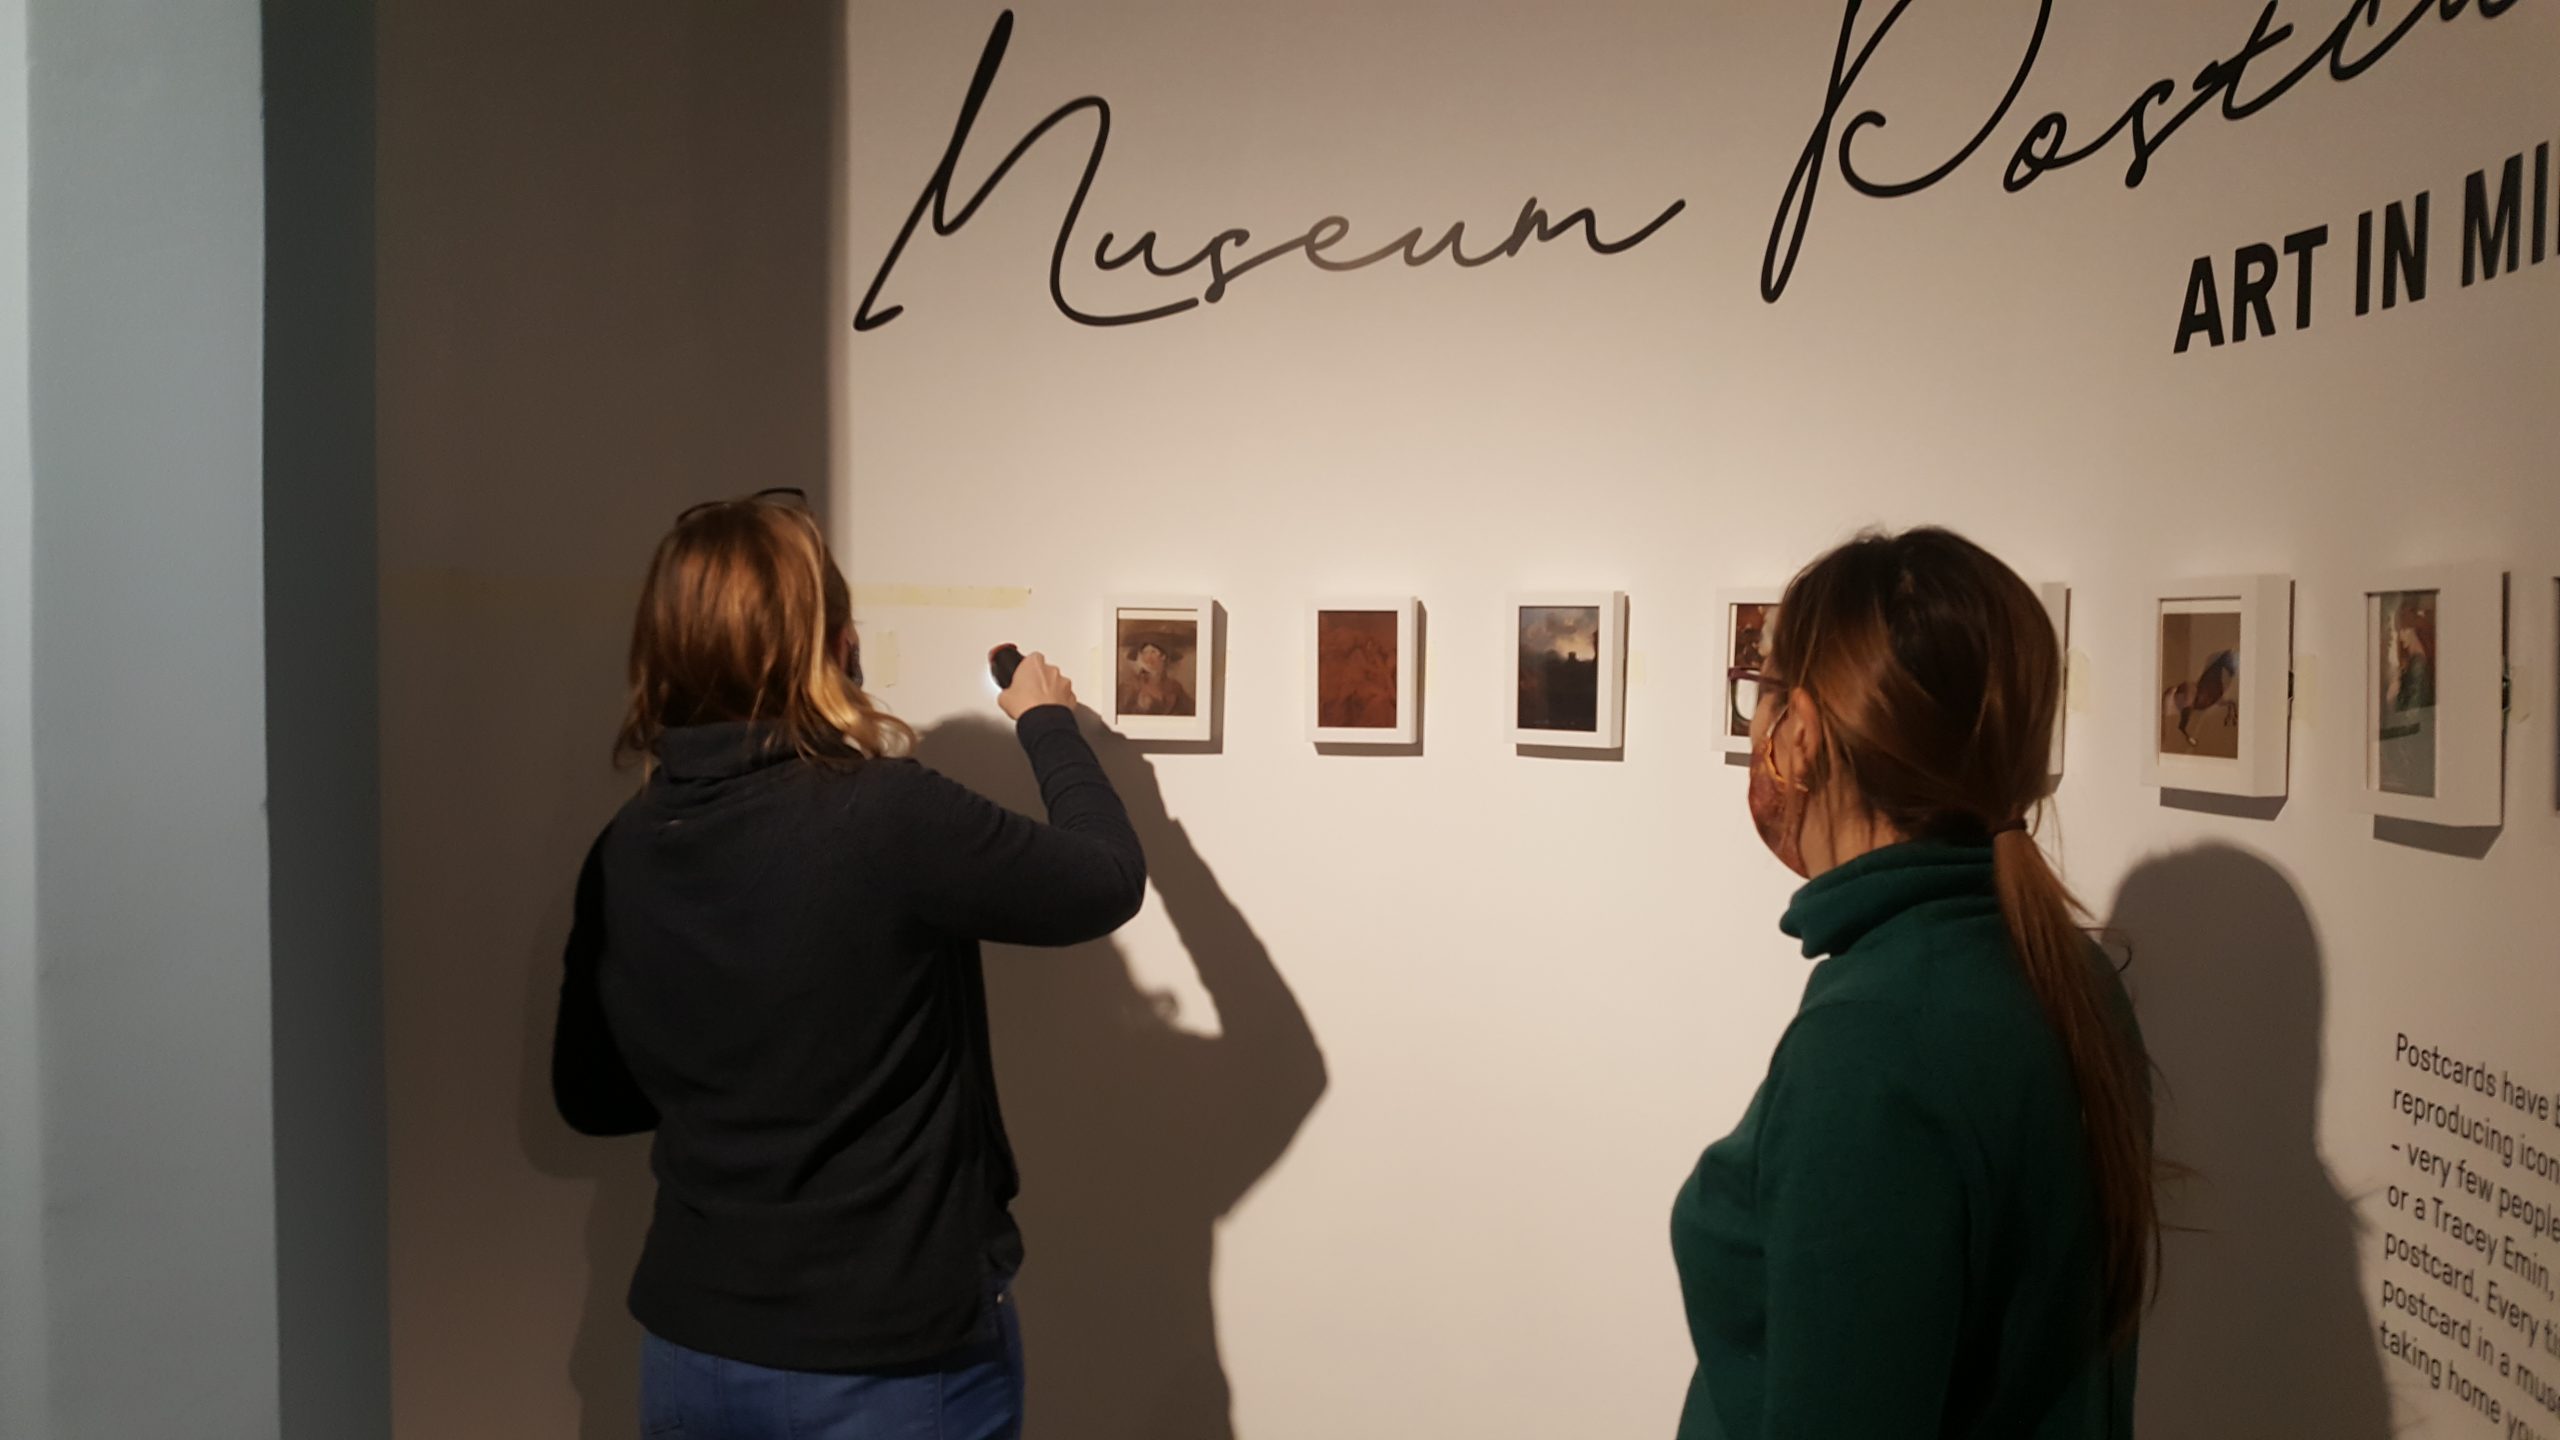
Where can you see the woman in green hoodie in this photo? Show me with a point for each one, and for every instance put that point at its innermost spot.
(1937, 1219)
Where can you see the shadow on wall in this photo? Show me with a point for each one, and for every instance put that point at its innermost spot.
(1135, 1137)
(2261, 1332)
(604, 1356)
(603, 294)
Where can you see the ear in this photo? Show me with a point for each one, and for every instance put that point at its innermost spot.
(1797, 737)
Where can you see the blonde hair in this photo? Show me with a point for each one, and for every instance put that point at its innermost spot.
(740, 619)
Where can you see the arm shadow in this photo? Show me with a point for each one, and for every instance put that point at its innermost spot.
(2261, 1332)
(1135, 1138)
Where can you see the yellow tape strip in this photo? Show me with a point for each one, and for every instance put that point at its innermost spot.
(941, 597)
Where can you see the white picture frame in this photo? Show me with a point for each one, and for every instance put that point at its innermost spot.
(1143, 696)
(1607, 641)
(2253, 699)
(1404, 695)
(2430, 743)
(1732, 737)
(2056, 598)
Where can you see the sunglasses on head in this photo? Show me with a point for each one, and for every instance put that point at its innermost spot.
(788, 496)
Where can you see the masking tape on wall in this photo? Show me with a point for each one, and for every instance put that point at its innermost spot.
(942, 597)
(879, 659)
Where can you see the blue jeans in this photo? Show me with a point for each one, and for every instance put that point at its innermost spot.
(975, 1394)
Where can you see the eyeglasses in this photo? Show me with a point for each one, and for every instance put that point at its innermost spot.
(789, 496)
(1747, 685)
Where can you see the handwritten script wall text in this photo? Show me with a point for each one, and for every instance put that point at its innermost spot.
(2347, 50)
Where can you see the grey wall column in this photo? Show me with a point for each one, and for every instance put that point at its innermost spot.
(22, 1290)
(324, 812)
(159, 1171)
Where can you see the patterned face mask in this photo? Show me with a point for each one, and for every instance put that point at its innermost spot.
(1777, 805)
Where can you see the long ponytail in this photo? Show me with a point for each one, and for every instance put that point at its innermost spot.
(2053, 951)
(1939, 680)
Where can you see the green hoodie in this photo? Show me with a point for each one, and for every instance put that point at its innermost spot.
(1901, 1239)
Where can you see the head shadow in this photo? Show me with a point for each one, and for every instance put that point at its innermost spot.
(1135, 1137)
(2261, 1328)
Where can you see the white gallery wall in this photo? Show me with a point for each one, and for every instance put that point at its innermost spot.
(1371, 1125)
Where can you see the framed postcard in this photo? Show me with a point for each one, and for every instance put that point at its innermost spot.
(1364, 672)
(1745, 618)
(2222, 697)
(2431, 718)
(1164, 662)
(1569, 668)
(2056, 596)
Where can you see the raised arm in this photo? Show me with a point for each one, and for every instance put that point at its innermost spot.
(972, 868)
